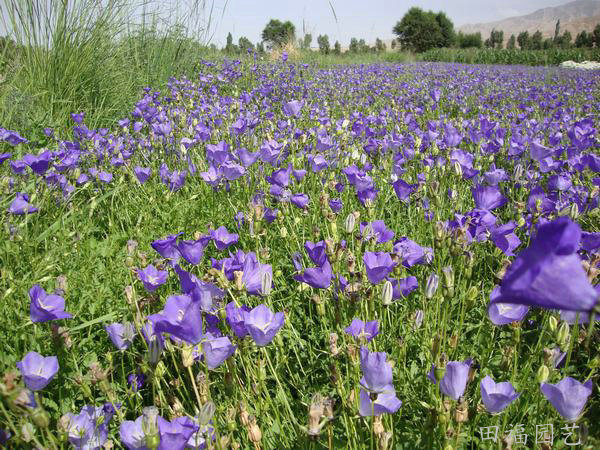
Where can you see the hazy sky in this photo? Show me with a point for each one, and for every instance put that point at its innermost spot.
(367, 19)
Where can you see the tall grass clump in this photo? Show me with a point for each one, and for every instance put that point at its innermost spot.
(88, 56)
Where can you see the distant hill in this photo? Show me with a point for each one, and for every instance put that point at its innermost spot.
(574, 17)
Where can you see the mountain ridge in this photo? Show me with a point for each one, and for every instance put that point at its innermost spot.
(574, 16)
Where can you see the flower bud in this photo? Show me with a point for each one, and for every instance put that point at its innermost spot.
(471, 294)
(431, 285)
(350, 223)
(206, 413)
(552, 323)
(458, 169)
(333, 348)
(387, 293)
(418, 317)
(573, 211)
(542, 374)
(187, 356)
(448, 274)
(283, 232)
(154, 351)
(266, 282)
(562, 336)
(40, 418)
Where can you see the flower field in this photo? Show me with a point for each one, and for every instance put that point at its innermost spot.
(278, 255)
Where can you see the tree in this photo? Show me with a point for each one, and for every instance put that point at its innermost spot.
(511, 43)
(362, 46)
(596, 34)
(565, 39)
(230, 46)
(337, 48)
(557, 31)
(447, 29)
(469, 40)
(277, 33)
(524, 40)
(260, 48)
(536, 42)
(548, 43)
(584, 39)
(419, 30)
(379, 46)
(353, 47)
(245, 44)
(323, 41)
(306, 41)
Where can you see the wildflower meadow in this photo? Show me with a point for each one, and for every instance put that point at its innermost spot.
(272, 254)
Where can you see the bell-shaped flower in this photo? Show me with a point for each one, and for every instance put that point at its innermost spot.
(548, 273)
(142, 173)
(488, 197)
(363, 330)
(505, 313)
(152, 278)
(21, 205)
(377, 394)
(167, 248)
(175, 434)
(222, 238)
(497, 396)
(568, 396)
(236, 318)
(121, 334)
(181, 318)
(45, 307)
(263, 324)
(378, 265)
(216, 350)
(317, 277)
(454, 381)
(37, 370)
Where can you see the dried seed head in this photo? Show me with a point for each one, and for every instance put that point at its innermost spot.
(378, 428)
(244, 416)
(237, 277)
(333, 348)
(461, 413)
(254, 433)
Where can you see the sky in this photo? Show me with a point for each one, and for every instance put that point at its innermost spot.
(366, 19)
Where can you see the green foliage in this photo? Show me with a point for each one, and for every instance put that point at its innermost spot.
(323, 42)
(524, 40)
(511, 44)
(244, 44)
(337, 48)
(306, 41)
(552, 56)
(379, 45)
(420, 31)
(277, 33)
(468, 40)
(584, 39)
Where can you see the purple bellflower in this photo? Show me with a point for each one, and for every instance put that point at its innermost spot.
(548, 273)
(46, 307)
(497, 396)
(152, 278)
(121, 334)
(263, 324)
(377, 393)
(37, 370)
(568, 396)
(363, 330)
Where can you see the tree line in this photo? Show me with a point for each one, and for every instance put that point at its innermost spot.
(277, 34)
(420, 31)
(417, 31)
